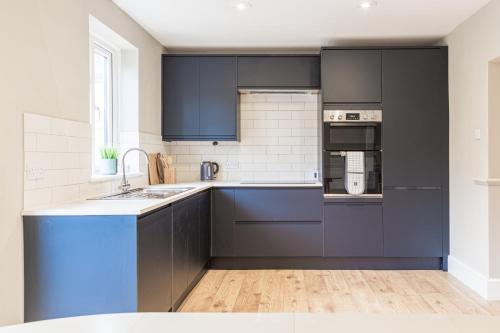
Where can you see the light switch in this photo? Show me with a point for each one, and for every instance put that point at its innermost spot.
(477, 134)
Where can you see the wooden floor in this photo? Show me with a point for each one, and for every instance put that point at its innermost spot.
(383, 292)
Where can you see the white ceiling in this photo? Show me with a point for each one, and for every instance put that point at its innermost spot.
(207, 24)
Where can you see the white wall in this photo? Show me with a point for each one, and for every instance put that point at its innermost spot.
(44, 69)
(473, 214)
(279, 141)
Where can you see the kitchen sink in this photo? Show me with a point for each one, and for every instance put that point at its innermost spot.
(144, 193)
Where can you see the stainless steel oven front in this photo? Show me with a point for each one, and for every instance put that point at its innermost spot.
(352, 130)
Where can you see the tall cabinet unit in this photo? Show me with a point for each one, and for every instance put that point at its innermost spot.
(415, 160)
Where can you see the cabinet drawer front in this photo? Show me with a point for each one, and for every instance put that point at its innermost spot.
(354, 230)
(283, 239)
(278, 205)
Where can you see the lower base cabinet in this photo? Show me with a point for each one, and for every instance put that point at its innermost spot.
(191, 242)
(154, 260)
(353, 230)
(268, 222)
(413, 223)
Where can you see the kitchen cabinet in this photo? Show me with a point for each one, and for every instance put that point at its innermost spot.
(154, 252)
(412, 223)
(218, 98)
(223, 221)
(415, 158)
(199, 98)
(265, 222)
(180, 97)
(287, 71)
(205, 203)
(191, 241)
(353, 230)
(415, 125)
(351, 76)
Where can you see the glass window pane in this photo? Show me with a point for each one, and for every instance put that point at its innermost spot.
(102, 101)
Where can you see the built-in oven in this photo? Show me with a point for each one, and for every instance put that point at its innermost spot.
(352, 130)
(335, 173)
(352, 152)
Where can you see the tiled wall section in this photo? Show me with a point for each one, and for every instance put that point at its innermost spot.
(279, 141)
(58, 161)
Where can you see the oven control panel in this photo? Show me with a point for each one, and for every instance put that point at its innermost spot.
(347, 116)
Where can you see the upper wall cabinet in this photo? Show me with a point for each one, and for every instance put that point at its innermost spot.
(351, 76)
(285, 72)
(200, 98)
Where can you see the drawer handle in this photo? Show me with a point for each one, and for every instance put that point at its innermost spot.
(277, 222)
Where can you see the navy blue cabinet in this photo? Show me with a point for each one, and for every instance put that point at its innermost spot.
(286, 71)
(180, 97)
(415, 158)
(413, 223)
(354, 230)
(265, 222)
(154, 252)
(223, 222)
(199, 98)
(415, 125)
(191, 243)
(351, 76)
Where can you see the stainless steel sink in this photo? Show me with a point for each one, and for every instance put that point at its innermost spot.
(144, 193)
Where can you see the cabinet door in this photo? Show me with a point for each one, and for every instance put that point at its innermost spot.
(154, 253)
(218, 98)
(180, 254)
(279, 71)
(180, 98)
(351, 76)
(193, 238)
(205, 228)
(223, 237)
(413, 223)
(353, 230)
(415, 112)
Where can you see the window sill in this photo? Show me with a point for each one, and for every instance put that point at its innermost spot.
(107, 178)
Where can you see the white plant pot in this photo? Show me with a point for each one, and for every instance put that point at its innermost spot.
(109, 167)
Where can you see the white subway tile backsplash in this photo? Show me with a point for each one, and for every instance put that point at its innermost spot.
(279, 133)
(291, 124)
(34, 123)
(58, 160)
(266, 123)
(30, 142)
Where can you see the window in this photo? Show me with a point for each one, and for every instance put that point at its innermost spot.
(114, 95)
(104, 98)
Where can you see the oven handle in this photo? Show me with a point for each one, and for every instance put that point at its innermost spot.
(352, 123)
(338, 153)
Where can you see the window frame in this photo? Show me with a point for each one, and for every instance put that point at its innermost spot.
(106, 48)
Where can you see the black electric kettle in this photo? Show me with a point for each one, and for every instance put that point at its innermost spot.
(208, 170)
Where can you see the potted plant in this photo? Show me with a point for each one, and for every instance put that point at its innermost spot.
(109, 161)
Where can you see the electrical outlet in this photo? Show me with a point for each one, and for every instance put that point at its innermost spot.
(232, 164)
(477, 134)
(33, 174)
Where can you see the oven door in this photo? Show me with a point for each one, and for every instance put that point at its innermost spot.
(334, 173)
(352, 136)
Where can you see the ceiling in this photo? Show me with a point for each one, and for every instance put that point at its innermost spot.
(304, 24)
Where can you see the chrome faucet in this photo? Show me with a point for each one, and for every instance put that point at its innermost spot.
(125, 184)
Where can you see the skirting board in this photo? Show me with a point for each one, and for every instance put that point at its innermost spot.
(486, 288)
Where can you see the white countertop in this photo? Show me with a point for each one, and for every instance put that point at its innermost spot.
(139, 207)
(262, 323)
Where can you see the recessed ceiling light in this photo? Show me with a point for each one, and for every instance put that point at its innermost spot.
(243, 5)
(366, 4)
